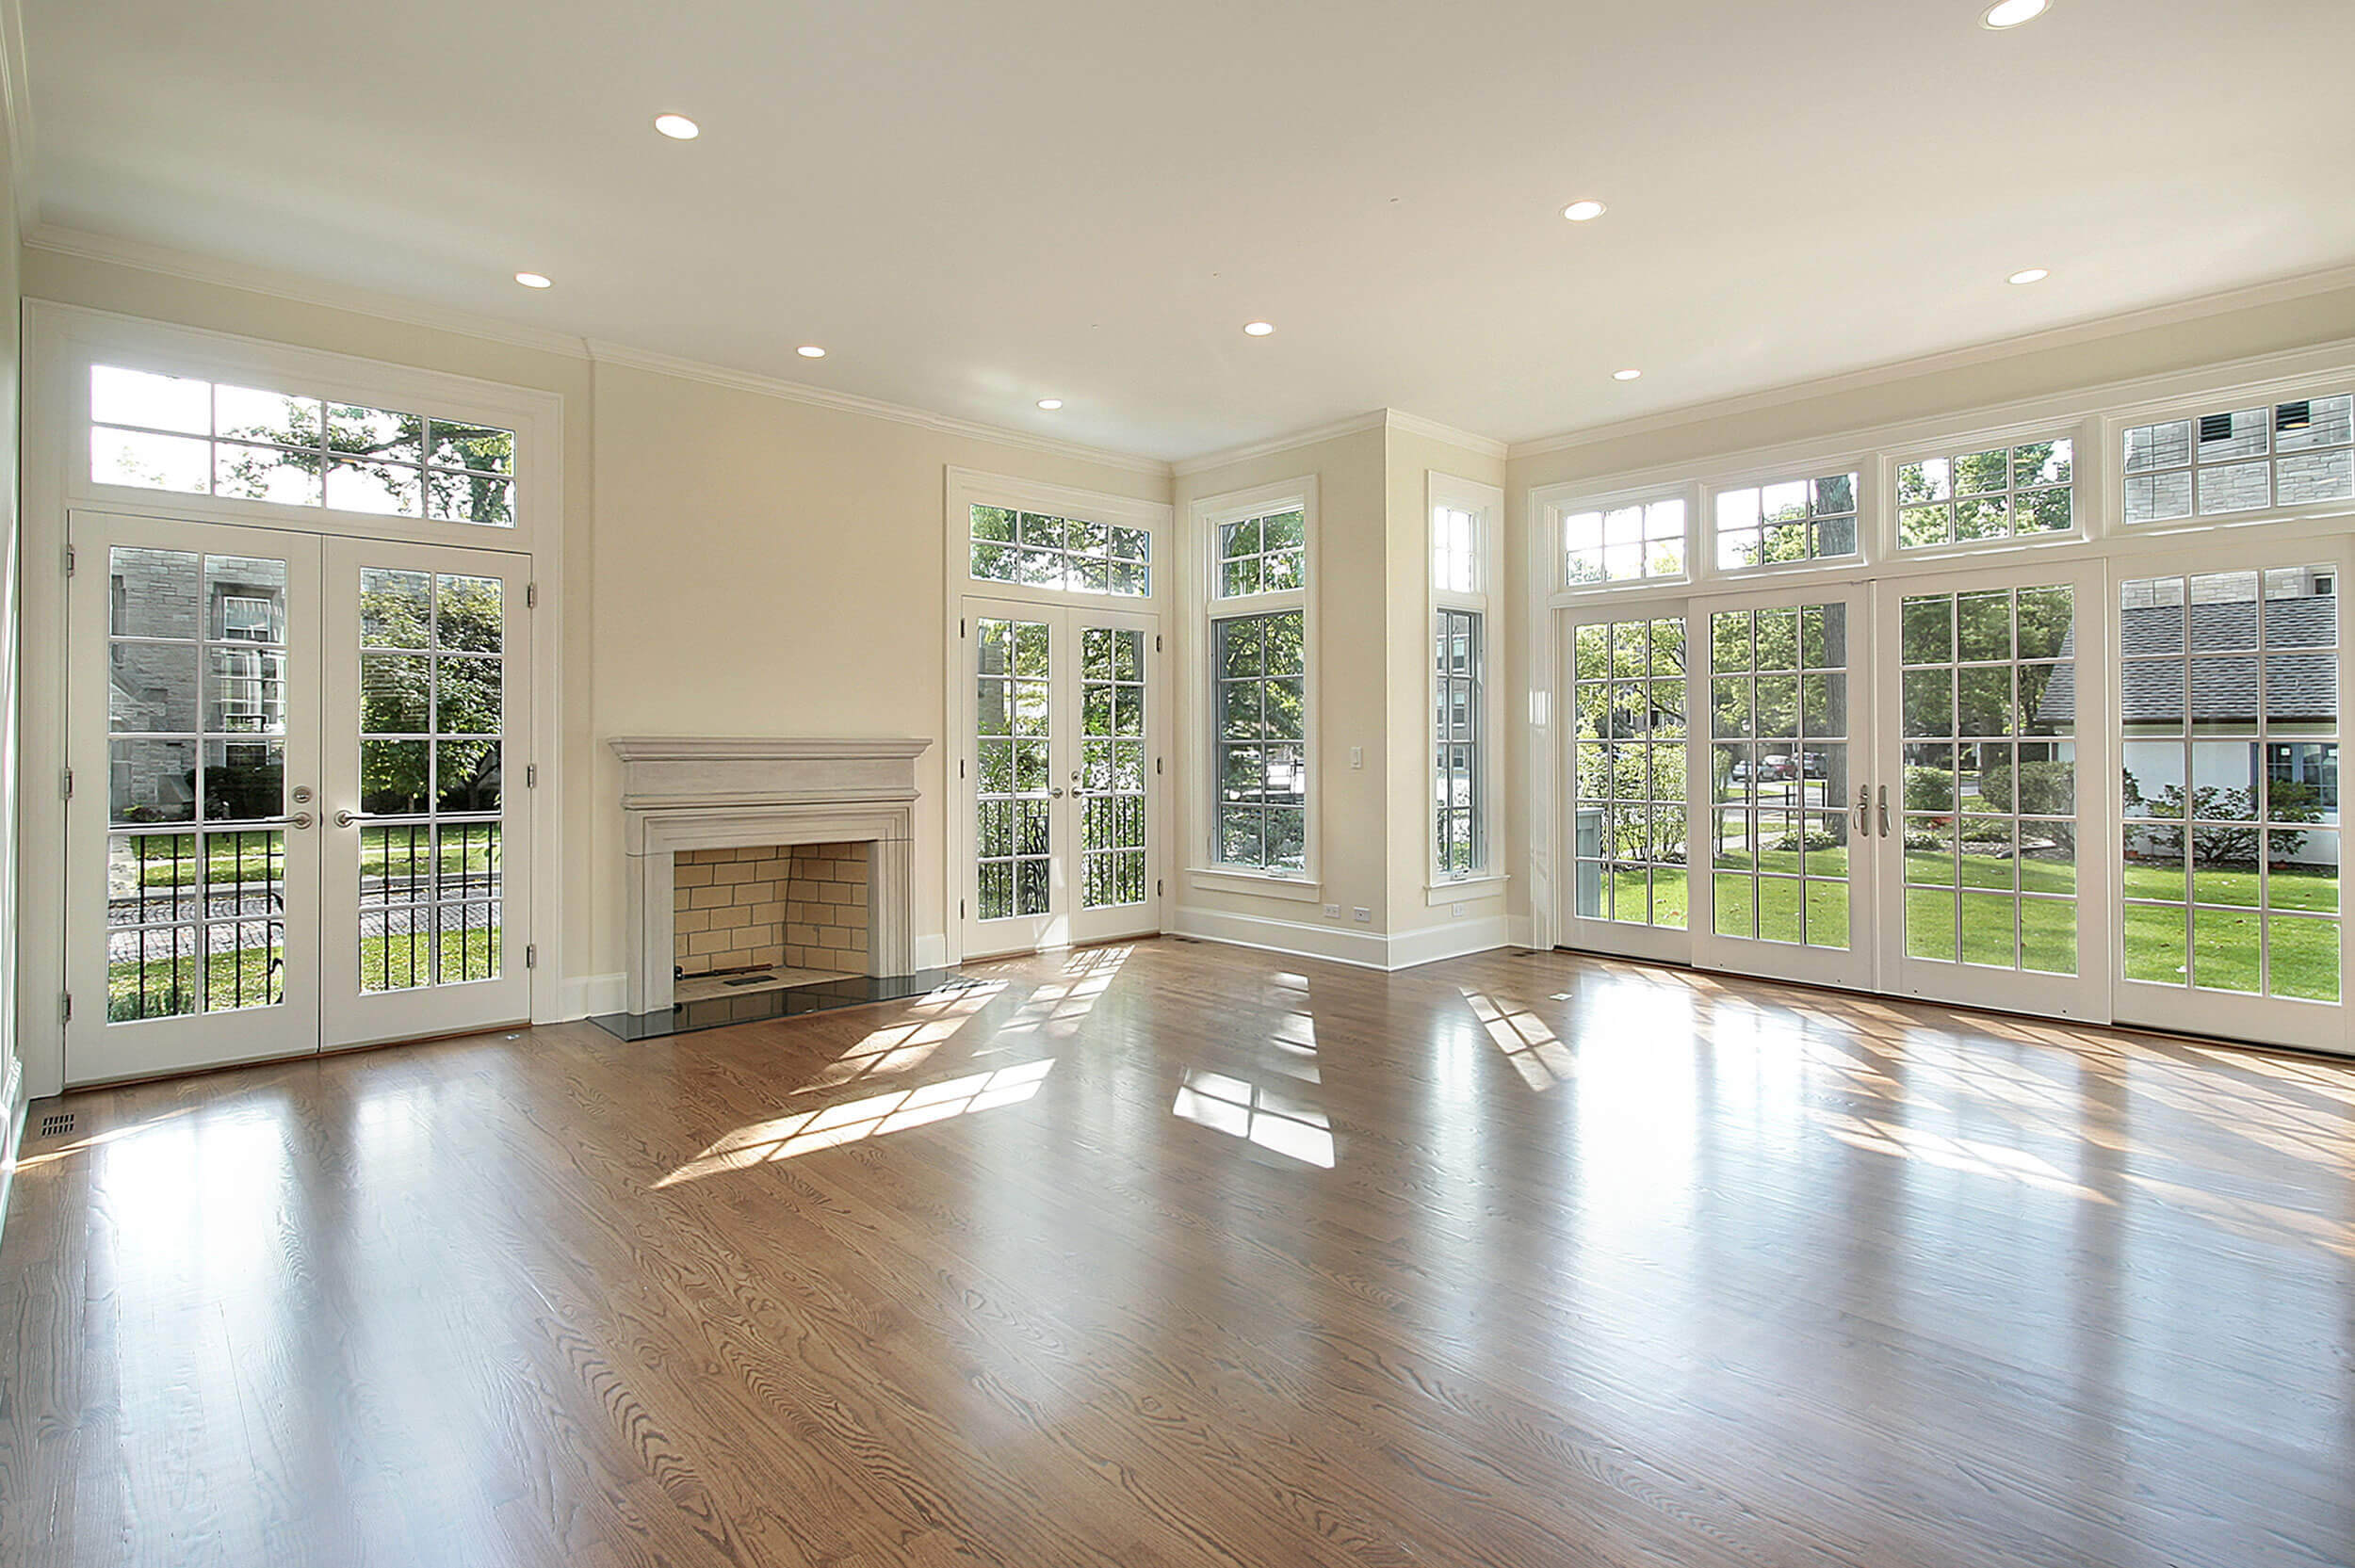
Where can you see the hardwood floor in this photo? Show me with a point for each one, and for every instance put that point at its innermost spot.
(1184, 1254)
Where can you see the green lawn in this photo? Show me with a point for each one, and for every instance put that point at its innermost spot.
(384, 965)
(1965, 909)
(171, 860)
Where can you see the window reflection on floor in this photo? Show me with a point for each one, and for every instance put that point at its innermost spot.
(790, 1135)
(1271, 1118)
(1541, 1059)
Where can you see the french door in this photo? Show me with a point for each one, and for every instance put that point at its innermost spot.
(1060, 771)
(289, 825)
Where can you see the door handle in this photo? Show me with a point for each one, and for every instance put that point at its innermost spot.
(1884, 811)
(1863, 807)
(1056, 792)
(344, 819)
(299, 819)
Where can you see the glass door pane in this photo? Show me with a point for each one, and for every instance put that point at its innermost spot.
(196, 884)
(1786, 845)
(1012, 903)
(427, 674)
(1112, 788)
(1628, 778)
(2229, 744)
(1987, 764)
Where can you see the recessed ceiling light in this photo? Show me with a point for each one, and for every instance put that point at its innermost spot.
(1584, 212)
(2029, 275)
(533, 280)
(1259, 329)
(677, 127)
(1051, 404)
(810, 352)
(2011, 13)
(1628, 375)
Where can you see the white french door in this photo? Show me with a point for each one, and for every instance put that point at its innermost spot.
(1785, 846)
(1059, 768)
(1992, 754)
(289, 827)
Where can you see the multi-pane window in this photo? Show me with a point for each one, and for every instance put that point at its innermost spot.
(1262, 555)
(1621, 544)
(2003, 492)
(201, 438)
(1988, 692)
(2228, 686)
(1455, 550)
(1629, 704)
(1778, 773)
(1068, 552)
(1261, 751)
(1791, 520)
(2294, 453)
(1459, 827)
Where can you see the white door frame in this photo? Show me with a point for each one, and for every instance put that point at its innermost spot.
(60, 344)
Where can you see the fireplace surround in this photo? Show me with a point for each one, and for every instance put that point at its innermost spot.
(682, 793)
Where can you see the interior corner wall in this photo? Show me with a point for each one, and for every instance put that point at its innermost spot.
(1411, 458)
(1706, 434)
(1351, 704)
(11, 359)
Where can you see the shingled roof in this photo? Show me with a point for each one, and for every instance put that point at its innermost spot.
(2301, 673)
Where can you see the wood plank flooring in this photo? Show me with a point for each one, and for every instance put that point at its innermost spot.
(1178, 1254)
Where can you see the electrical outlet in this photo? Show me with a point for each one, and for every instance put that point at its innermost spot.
(1455, 911)
(1332, 911)
(1363, 916)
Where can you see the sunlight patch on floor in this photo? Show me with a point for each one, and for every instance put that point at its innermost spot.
(907, 1044)
(787, 1137)
(1280, 1123)
(1536, 1054)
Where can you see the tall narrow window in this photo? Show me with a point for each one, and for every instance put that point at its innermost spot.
(1463, 542)
(1259, 643)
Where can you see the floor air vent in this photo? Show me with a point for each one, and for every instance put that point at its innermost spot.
(57, 1124)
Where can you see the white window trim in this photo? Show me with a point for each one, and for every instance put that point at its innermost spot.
(967, 488)
(1869, 514)
(1486, 505)
(2084, 487)
(1552, 506)
(1204, 519)
(2265, 393)
(62, 343)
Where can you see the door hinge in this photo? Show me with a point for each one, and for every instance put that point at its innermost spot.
(960, 909)
(1156, 643)
(69, 1007)
(68, 783)
(960, 767)
(531, 955)
(1157, 768)
(531, 595)
(69, 561)
(531, 775)
(1156, 887)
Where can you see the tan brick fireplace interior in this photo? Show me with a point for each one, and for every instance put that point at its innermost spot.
(799, 907)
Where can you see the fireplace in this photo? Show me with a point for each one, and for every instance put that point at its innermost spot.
(749, 853)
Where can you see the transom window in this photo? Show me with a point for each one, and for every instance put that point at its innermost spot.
(2294, 453)
(1626, 543)
(1262, 555)
(1068, 552)
(2003, 492)
(203, 438)
(1788, 521)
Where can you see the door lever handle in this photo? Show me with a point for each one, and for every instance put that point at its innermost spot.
(1884, 811)
(344, 819)
(299, 819)
(1864, 806)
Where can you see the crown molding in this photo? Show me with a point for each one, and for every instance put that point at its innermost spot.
(84, 246)
(1378, 419)
(603, 352)
(1414, 424)
(2303, 285)
(16, 110)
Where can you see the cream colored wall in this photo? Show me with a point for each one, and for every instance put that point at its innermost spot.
(764, 566)
(1352, 704)
(1705, 433)
(1411, 458)
(10, 552)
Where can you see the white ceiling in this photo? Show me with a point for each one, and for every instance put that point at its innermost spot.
(974, 206)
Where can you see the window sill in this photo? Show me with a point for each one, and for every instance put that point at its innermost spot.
(1437, 893)
(1256, 884)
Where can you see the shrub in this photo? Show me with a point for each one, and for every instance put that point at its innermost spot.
(1929, 789)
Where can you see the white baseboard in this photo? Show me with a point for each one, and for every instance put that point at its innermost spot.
(1454, 939)
(1363, 949)
(587, 996)
(12, 1108)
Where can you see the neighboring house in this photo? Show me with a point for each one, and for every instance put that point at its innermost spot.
(2219, 681)
(154, 687)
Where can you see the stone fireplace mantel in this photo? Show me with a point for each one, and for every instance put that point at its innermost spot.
(719, 792)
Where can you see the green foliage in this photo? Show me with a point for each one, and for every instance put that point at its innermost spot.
(1929, 789)
(2225, 829)
(2045, 789)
